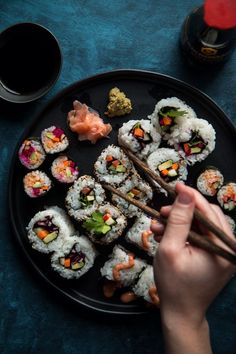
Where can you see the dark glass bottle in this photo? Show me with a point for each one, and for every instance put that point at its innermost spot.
(203, 45)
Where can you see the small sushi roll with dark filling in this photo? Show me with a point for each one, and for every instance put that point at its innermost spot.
(36, 184)
(105, 225)
(226, 196)
(141, 235)
(74, 258)
(113, 166)
(194, 140)
(64, 170)
(31, 153)
(146, 287)
(136, 188)
(48, 229)
(168, 114)
(210, 181)
(231, 223)
(84, 197)
(140, 137)
(54, 140)
(123, 267)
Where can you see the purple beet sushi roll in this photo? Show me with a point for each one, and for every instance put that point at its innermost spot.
(64, 169)
(31, 153)
(36, 184)
(54, 140)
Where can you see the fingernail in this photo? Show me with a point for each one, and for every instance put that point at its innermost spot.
(185, 198)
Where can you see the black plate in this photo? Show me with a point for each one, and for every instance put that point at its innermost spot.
(144, 89)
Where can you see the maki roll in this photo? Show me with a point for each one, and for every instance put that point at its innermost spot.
(210, 181)
(84, 197)
(141, 235)
(140, 137)
(36, 184)
(194, 140)
(134, 187)
(113, 166)
(31, 153)
(123, 267)
(231, 223)
(146, 288)
(54, 140)
(226, 196)
(64, 170)
(74, 258)
(48, 229)
(168, 114)
(105, 225)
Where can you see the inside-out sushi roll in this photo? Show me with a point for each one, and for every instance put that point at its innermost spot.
(168, 114)
(113, 166)
(194, 139)
(226, 196)
(140, 137)
(146, 288)
(84, 197)
(54, 140)
(74, 258)
(141, 235)
(36, 184)
(64, 169)
(105, 225)
(134, 187)
(231, 223)
(31, 153)
(48, 229)
(122, 267)
(210, 181)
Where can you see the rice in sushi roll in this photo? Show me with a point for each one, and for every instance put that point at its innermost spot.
(194, 139)
(136, 188)
(146, 287)
(48, 229)
(64, 170)
(113, 166)
(83, 197)
(105, 225)
(31, 153)
(231, 223)
(74, 258)
(54, 140)
(141, 235)
(168, 114)
(36, 184)
(226, 196)
(122, 267)
(140, 137)
(210, 181)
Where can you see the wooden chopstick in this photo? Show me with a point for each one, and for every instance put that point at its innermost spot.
(170, 190)
(194, 238)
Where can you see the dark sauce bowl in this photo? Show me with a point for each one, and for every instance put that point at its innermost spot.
(30, 62)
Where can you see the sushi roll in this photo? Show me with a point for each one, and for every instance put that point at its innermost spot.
(134, 187)
(141, 235)
(140, 137)
(36, 184)
(210, 181)
(83, 197)
(168, 164)
(64, 170)
(168, 114)
(48, 229)
(113, 166)
(74, 258)
(123, 267)
(231, 223)
(194, 140)
(146, 288)
(31, 153)
(54, 140)
(105, 225)
(226, 196)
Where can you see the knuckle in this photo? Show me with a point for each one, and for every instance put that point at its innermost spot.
(177, 218)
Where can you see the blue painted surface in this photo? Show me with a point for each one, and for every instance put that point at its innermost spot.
(96, 36)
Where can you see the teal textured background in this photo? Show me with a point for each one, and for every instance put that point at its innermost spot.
(96, 36)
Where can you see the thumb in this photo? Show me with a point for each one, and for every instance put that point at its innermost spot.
(180, 217)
